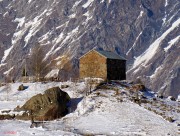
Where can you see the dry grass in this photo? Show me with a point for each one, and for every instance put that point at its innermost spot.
(64, 86)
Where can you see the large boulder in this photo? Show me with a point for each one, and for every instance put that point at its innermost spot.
(48, 106)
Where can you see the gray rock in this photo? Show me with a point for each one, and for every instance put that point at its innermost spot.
(48, 106)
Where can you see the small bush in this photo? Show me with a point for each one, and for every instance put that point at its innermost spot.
(98, 93)
(170, 119)
(17, 108)
(119, 99)
(8, 117)
(103, 86)
(164, 108)
(6, 111)
(102, 95)
(144, 101)
(64, 86)
(117, 91)
(155, 111)
(160, 113)
(172, 98)
(149, 109)
(21, 87)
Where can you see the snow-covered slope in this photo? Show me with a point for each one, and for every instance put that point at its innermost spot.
(146, 32)
(104, 112)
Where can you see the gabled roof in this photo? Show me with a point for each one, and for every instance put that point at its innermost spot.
(109, 54)
(106, 54)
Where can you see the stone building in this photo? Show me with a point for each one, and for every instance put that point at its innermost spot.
(102, 64)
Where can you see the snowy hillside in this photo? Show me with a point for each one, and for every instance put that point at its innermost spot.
(146, 32)
(104, 112)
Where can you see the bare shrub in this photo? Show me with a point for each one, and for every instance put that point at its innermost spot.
(64, 86)
(37, 64)
(170, 119)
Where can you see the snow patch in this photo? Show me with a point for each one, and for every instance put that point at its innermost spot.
(164, 19)
(31, 26)
(70, 35)
(34, 27)
(5, 14)
(60, 26)
(178, 98)
(140, 14)
(60, 57)
(56, 41)
(8, 71)
(52, 73)
(76, 4)
(11, 112)
(102, 1)
(156, 72)
(87, 4)
(44, 37)
(72, 15)
(6, 53)
(59, 39)
(166, 3)
(88, 17)
(171, 43)
(3, 64)
(134, 43)
(29, 1)
(20, 21)
(172, 17)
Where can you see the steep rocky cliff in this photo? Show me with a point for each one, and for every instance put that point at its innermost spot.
(146, 32)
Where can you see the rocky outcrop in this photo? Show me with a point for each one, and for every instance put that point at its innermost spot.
(48, 106)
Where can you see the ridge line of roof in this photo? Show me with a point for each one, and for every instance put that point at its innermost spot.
(103, 55)
(117, 56)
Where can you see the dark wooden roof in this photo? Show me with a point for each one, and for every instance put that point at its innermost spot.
(109, 54)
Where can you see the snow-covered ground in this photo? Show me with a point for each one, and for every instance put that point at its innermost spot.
(104, 112)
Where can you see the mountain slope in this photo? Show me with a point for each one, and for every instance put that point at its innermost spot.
(146, 32)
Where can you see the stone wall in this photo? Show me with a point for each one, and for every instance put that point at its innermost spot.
(93, 65)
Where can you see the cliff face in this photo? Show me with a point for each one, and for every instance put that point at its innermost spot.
(146, 32)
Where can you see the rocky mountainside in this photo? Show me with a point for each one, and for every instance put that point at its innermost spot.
(146, 32)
